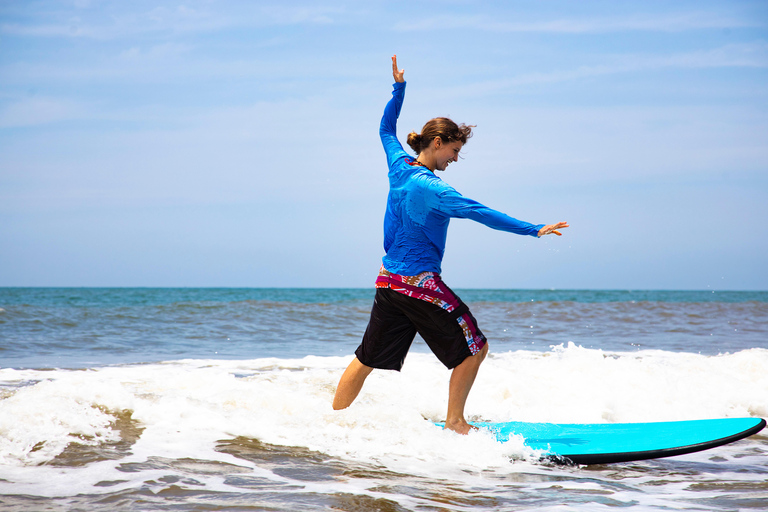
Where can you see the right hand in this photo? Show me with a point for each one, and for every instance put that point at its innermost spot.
(553, 228)
(397, 73)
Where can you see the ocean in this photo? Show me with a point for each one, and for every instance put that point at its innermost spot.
(139, 399)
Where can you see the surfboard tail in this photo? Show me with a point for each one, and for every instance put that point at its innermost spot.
(607, 443)
(610, 458)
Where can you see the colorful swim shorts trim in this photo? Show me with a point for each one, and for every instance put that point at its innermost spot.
(428, 286)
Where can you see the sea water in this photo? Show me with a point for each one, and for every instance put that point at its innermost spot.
(219, 399)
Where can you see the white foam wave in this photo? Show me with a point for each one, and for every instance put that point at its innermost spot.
(185, 407)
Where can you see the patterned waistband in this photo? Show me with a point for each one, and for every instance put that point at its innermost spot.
(425, 286)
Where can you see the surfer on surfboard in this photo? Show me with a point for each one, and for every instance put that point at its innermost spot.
(410, 295)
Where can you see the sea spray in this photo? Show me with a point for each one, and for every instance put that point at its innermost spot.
(186, 406)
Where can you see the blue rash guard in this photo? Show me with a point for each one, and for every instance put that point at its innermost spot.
(420, 206)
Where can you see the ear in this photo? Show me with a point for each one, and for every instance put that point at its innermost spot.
(438, 142)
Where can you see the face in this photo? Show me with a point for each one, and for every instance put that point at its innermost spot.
(445, 153)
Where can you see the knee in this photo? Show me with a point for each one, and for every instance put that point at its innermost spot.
(483, 351)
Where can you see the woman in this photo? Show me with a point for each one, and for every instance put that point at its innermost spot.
(410, 296)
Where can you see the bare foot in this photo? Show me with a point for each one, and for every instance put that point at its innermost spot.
(460, 427)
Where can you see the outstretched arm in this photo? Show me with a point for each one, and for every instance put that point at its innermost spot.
(553, 228)
(451, 203)
(397, 73)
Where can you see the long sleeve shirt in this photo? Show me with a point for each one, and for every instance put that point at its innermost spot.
(420, 206)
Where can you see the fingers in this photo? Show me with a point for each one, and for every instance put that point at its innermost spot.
(397, 73)
(553, 228)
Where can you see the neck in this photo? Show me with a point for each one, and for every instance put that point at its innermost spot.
(426, 160)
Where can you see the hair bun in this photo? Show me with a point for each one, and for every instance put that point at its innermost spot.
(414, 140)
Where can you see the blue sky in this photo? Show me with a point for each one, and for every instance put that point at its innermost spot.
(217, 143)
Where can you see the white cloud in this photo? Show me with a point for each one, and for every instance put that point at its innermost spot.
(41, 30)
(749, 55)
(732, 55)
(171, 19)
(293, 15)
(665, 23)
(39, 111)
(161, 52)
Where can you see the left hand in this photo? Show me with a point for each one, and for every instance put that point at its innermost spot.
(397, 73)
(553, 228)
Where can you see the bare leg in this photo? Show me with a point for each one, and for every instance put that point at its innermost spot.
(350, 384)
(462, 378)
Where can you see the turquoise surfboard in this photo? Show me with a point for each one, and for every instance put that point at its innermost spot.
(602, 443)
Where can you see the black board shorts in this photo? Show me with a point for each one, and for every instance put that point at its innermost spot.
(396, 318)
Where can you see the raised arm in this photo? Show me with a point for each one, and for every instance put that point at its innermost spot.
(388, 126)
